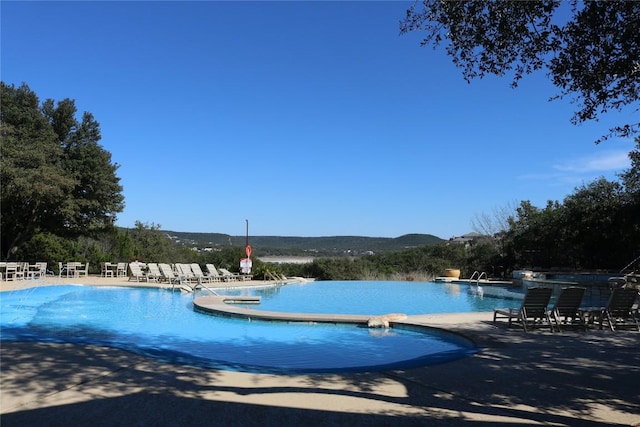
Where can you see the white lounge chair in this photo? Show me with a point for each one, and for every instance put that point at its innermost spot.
(185, 274)
(154, 273)
(136, 273)
(213, 272)
(197, 272)
(168, 274)
(229, 276)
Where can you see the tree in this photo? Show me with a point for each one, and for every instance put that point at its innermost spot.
(631, 177)
(592, 56)
(495, 223)
(631, 182)
(149, 243)
(596, 225)
(55, 176)
(534, 236)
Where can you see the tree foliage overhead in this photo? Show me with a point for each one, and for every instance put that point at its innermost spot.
(590, 49)
(55, 176)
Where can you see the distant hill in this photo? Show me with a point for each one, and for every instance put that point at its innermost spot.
(278, 245)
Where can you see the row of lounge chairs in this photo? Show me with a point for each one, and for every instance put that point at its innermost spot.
(181, 273)
(620, 310)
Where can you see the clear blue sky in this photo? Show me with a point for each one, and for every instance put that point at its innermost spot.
(305, 118)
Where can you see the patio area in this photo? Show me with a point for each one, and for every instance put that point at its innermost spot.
(567, 379)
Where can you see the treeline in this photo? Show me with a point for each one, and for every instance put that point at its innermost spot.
(147, 243)
(596, 227)
(316, 246)
(60, 196)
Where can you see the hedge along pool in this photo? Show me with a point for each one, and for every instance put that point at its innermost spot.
(162, 324)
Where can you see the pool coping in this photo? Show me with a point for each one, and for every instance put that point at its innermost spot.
(219, 305)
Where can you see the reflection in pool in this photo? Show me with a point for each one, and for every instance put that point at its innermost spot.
(163, 324)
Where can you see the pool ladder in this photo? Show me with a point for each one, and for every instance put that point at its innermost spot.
(479, 276)
(187, 287)
(274, 276)
(478, 289)
(208, 288)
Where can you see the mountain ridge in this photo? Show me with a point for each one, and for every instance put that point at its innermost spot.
(299, 244)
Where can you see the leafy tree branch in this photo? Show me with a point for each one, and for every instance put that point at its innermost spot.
(591, 50)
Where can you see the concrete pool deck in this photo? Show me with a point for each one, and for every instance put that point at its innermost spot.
(565, 379)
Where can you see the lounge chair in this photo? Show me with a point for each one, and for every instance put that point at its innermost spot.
(229, 276)
(566, 309)
(154, 273)
(136, 273)
(213, 273)
(185, 274)
(533, 311)
(226, 274)
(197, 271)
(167, 274)
(619, 311)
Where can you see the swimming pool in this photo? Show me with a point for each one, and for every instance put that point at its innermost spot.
(162, 324)
(380, 297)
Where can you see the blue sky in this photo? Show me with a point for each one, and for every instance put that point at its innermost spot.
(305, 118)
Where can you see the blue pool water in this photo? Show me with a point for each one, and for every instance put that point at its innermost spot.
(375, 298)
(163, 324)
